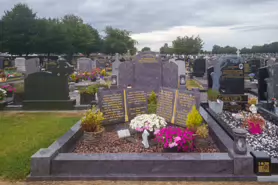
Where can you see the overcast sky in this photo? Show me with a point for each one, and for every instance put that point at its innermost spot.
(240, 23)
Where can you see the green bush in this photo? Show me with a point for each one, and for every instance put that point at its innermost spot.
(152, 108)
(153, 98)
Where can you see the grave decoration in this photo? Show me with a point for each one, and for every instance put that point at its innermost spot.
(49, 90)
(227, 77)
(3, 95)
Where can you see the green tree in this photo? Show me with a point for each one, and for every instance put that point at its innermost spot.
(166, 49)
(187, 45)
(146, 49)
(51, 37)
(18, 30)
(118, 41)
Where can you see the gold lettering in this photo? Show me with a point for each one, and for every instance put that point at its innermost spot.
(165, 105)
(112, 107)
(263, 167)
(185, 104)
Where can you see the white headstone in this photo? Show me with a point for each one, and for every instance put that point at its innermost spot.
(85, 64)
(238, 52)
(20, 64)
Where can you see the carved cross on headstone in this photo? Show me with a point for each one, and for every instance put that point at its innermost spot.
(63, 69)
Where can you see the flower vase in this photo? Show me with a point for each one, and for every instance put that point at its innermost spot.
(171, 150)
(215, 106)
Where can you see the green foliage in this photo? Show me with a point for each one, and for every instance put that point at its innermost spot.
(166, 49)
(212, 95)
(187, 45)
(153, 98)
(92, 89)
(146, 49)
(224, 50)
(23, 134)
(19, 87)
(202, 131)
(194, 119)
(92, 121)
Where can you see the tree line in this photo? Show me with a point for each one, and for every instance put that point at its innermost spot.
(23, 33)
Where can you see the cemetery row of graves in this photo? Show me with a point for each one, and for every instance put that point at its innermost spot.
(144, 114)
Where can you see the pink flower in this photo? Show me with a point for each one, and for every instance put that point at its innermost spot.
(177, 139)
(171, 145)
(139, 129)
(156, 132)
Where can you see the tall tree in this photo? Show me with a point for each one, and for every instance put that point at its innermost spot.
(187, 45)
(18, 30)
(146, 49)
(117, 41)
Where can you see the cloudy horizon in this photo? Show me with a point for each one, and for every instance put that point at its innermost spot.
(239, 23)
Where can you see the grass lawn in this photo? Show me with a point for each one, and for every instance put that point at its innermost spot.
(22, 134)
(190, 84)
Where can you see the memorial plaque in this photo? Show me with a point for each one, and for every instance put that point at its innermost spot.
(185, 101)
(136, 103)
(165, 104)
(111, 104)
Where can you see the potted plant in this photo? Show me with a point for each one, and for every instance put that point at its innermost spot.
(215, 104)
(149, 122)
(202, 134)
(9, 89)
(93, 76)
(175, 139)
(3, 95)
(91, 124)
(255, 124)
(194, 119)
(87, 95)
(3, 77)
(18, 93)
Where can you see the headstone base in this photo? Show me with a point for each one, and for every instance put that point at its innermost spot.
(49, 104)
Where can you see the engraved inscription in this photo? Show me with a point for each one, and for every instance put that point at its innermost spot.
(112, 107)
(184, 105)
(232, 72)
(137, 103)
(165, 105)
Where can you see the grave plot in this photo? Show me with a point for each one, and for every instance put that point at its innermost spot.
(124, 142)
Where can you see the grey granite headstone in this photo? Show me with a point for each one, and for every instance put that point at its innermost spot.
(148, 71)
(84, 64)
(32, 66)
(272, 82)
(228, 75)
(126, 74)
(137, 102)
(115, 66)
(170, 75)
(20, 64)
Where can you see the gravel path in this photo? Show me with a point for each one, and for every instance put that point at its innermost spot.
(133, 183)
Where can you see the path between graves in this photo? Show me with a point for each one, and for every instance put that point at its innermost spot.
(132, 183)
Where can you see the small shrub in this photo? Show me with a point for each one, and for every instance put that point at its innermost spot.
(153, 98)
(202, 131)
(213, 95)
(252, 101)
(92, 120)
(194, 119)
(92, 89)
(152, 108)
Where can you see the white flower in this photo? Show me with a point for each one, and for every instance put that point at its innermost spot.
(149, 122)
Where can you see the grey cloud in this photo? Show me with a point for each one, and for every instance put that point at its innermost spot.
(149, 15)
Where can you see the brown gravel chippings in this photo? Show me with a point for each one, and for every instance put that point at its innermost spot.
(111, 143)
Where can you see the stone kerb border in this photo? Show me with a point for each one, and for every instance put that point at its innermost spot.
(57, 163)
(255, 155)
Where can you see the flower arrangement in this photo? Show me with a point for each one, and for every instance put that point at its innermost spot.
(3, 94)
(194, 119)
(74, 77)
(255, 124)
(176, 137)
(8, 88)
(92, 120)
(252, 101)
(149, 122)
(103, 72)
(202, 131)
(2, 74)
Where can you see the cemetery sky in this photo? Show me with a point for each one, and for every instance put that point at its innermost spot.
(239, 23)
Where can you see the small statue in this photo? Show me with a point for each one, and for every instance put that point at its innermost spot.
(145, 139)
(253, 109)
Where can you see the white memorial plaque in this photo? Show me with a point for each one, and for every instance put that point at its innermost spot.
(123, 133)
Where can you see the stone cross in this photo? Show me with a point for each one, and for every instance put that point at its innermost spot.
(145, 139)
(238, 52)
(63, 69)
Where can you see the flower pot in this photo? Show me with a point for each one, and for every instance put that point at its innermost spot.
(18, 98)
(2, 104)
(92, 137)
(9, 94)
(215, 106)
(3, 79)
(86, 99)
(171, 150)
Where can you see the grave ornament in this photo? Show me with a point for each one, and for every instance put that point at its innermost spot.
(145, 141)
